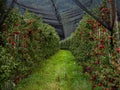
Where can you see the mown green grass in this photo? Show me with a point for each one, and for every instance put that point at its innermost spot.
(59, 72)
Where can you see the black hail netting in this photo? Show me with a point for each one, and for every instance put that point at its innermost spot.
(61, 14)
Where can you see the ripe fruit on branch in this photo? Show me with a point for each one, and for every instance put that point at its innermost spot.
(12, 34)
(118, 50)
(111, 80)
(101, 41)
(90, 21)
(96, 62)
(93, 86)
(99, 24)
(16, 24)
(109, 37)
(16, 32)
(13, 43)
(109, 1)
(99, 84)
(105, 9)
(100, 46)
(94, 26)
(103, 14)
(103, 30)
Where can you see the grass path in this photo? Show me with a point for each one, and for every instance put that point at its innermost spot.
(59, 72)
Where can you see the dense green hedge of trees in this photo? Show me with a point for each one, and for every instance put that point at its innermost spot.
(27, 41)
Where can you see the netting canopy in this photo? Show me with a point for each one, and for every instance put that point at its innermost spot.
(61, 14)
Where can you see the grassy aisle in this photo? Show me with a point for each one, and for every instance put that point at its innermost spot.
(59, 72)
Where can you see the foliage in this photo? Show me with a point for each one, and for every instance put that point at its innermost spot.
(64, 44)
(2, 13)
(2, 7)
(90, 44)
(8, 65)
(28, 34)
(78, 42)
(28, 40)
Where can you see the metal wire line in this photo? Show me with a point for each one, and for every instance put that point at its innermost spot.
(91, 14)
